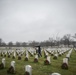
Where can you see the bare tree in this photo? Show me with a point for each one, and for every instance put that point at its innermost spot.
(3, 44)
(33, 43)
(0, 41)
(24, 44)
(51, 41)
(66, 39)
(74, 40)
(18, 44)
(10, 44)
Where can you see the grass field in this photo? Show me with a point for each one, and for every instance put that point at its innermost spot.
(39, 68)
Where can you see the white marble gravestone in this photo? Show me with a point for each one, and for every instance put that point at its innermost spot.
(65, 60)
(14, 54)
(13, 64)
(2, 53)
(55, 74)
(27, 56)
(60, 53)
(56, 55)
(19, 55)
(28, 69)
(46, 54)
(68, 55)
(36, 56)
(9, 54)
(3, 61)
(48, 58)
(5, 52)
(26, 52)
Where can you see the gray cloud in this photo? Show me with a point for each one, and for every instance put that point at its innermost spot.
(24, 20)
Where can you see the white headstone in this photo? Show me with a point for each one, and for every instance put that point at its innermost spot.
(13, 64)
(19, 55)
(46, 54)
(55, 74)
(3, 61)
(27, 55)
(28, 68)
(65, 60)
(52, 52)
(60, 53)
(9, 53)
(14, 54)
(36, 56)
(56, 55)
(68, 55)
(26, 52)
(48, 58)
(2, 53)
(6, 52)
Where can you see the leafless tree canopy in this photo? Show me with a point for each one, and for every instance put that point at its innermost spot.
(66, 40)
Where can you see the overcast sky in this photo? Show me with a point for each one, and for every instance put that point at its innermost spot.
(27, 20)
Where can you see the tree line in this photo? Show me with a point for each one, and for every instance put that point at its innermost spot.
(67, 40)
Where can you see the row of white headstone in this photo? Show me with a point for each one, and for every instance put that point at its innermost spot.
(57, 52)
(69, 54)
(66, 60)
(36, 56)
(28, 68)
(21, 52)
(45, 53)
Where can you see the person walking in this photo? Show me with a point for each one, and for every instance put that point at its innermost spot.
(39, 51)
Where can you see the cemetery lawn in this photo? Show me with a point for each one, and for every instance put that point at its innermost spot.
(39, 68)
